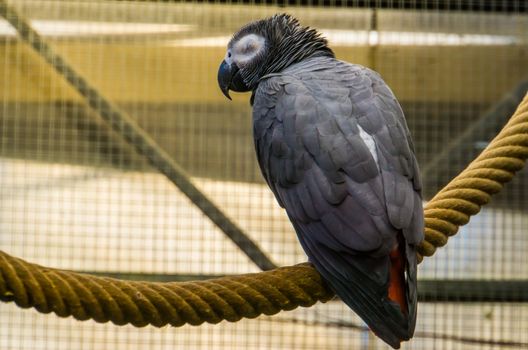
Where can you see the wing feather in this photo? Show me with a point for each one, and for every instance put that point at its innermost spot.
(346, 203)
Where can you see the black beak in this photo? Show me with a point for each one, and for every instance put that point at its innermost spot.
(224, 78)
(229, 78)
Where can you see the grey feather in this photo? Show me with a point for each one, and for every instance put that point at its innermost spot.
(346, 208)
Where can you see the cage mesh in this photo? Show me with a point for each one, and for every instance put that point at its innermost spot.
(75, 195)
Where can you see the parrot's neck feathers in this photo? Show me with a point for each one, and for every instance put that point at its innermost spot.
(288, 43)
(302, 44)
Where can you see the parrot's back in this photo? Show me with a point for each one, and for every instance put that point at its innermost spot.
(334, 147)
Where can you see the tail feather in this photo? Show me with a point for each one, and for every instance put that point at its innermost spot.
(383, 316)
(368, 291)
(397, 286)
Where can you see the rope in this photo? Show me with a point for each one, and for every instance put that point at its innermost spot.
(472, 188)
(134, 135)
(231, 298)
(106, 299)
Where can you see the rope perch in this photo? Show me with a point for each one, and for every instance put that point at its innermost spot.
(485, 176)
(231, 298)
(106, 299)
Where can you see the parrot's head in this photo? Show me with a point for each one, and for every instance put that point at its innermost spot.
(264, 47)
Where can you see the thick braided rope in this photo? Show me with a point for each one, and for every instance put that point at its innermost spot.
(232, 298)
(485, 176)
(106, 299)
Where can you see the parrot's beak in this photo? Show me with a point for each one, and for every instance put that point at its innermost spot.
(229, 78)
(224, 78)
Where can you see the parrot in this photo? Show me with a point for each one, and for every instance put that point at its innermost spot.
(334, 147)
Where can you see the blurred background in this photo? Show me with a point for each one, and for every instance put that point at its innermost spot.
(74, 194)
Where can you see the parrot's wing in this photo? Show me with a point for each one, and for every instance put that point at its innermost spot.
(333, 146)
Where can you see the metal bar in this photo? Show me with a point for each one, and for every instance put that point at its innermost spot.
(511, 291)
(519, 6)
(344, 324)
(132, 133)
(498, 114)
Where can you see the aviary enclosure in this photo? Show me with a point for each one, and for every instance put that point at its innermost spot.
(120, 157)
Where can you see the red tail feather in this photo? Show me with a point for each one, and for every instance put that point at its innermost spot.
(397, 277)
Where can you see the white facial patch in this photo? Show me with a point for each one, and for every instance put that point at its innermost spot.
(371, 144)
(245, 49)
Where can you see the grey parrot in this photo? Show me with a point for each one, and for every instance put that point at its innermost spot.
(334, 147)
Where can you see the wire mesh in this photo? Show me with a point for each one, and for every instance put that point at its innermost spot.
(75, 195)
